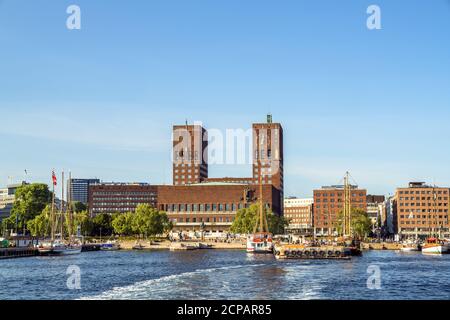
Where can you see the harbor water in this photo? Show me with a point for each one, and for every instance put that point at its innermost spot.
(224, 274)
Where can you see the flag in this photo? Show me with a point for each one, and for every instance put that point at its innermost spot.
(54, 178)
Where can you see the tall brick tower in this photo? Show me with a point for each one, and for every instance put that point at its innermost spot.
(190, 162)
(268, 154)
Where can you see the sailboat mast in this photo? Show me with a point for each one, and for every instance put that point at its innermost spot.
(347, 207)
(52, 213)
(261, 222)
(69, 206)
(61, 228)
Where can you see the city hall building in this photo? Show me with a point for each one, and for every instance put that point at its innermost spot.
(196, 201)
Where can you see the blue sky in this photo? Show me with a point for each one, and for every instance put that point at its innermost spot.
(101, 101)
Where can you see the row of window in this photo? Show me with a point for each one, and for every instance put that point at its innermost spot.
(339, 206)
(407, 204)
(423, 192)
(118, 199)
(201, 219)
(339, 194)
(204, 207)
(422, 198)
(127, 193)
(412, 216)
(340, 200)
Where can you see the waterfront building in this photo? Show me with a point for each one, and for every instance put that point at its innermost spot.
(80, 189)
(7, 198)
(389, 218)
(190, 162)
(329, 201)
(299, 213)
(374, 211)
(212, 206)
(195, 201)
(116, 197)
(422, 210)
(268, 155)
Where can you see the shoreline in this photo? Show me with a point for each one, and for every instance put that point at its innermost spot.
(165, 245)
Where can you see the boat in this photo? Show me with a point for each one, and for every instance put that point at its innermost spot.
(60, 246)
(409, 246)
(178, 246)
(260, 241)
(302, 251)
(435, 246)
(110, 245)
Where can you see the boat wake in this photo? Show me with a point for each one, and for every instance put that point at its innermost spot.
(167, 287)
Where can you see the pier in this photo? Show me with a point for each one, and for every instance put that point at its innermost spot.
(9, 253)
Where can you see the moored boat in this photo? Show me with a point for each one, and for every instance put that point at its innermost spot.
(260, 242)
(110, 245)
(58, 247)
(435, 246)
(409, 246)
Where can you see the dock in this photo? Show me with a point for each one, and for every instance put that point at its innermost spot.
(10, 253)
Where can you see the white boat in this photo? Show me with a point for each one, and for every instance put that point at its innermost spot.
(435, 246)
(409, 246)
(260, 242)
(58, 247)
(110, 246)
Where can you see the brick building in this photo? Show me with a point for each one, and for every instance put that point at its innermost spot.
(190, 159)
(194, 200)
(299, 213)
(421, 210)
(212, 205)
(329, 201)
(114, 197)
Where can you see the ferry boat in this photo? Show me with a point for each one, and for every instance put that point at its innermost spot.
(435, 246)
(260, 242)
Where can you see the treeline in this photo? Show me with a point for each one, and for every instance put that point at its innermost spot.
(31, 215)
(247, 219)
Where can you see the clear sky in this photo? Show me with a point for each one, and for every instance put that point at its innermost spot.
(101, 101)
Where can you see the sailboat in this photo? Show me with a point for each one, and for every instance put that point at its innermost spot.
(59, 246)
(351, 243)
(433, 244)
(260, 241)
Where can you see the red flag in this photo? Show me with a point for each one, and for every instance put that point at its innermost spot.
(54, 178)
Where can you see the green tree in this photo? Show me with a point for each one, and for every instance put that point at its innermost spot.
(102, 224)
(123, 224)
(360, 222)
(247, 218)
(78, 206)
(40, 226)
(83, 220)
(148, 221)
(30, 201)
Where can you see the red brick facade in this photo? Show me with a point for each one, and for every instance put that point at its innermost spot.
(329, 201)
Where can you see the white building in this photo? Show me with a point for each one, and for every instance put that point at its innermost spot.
(299, 213)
